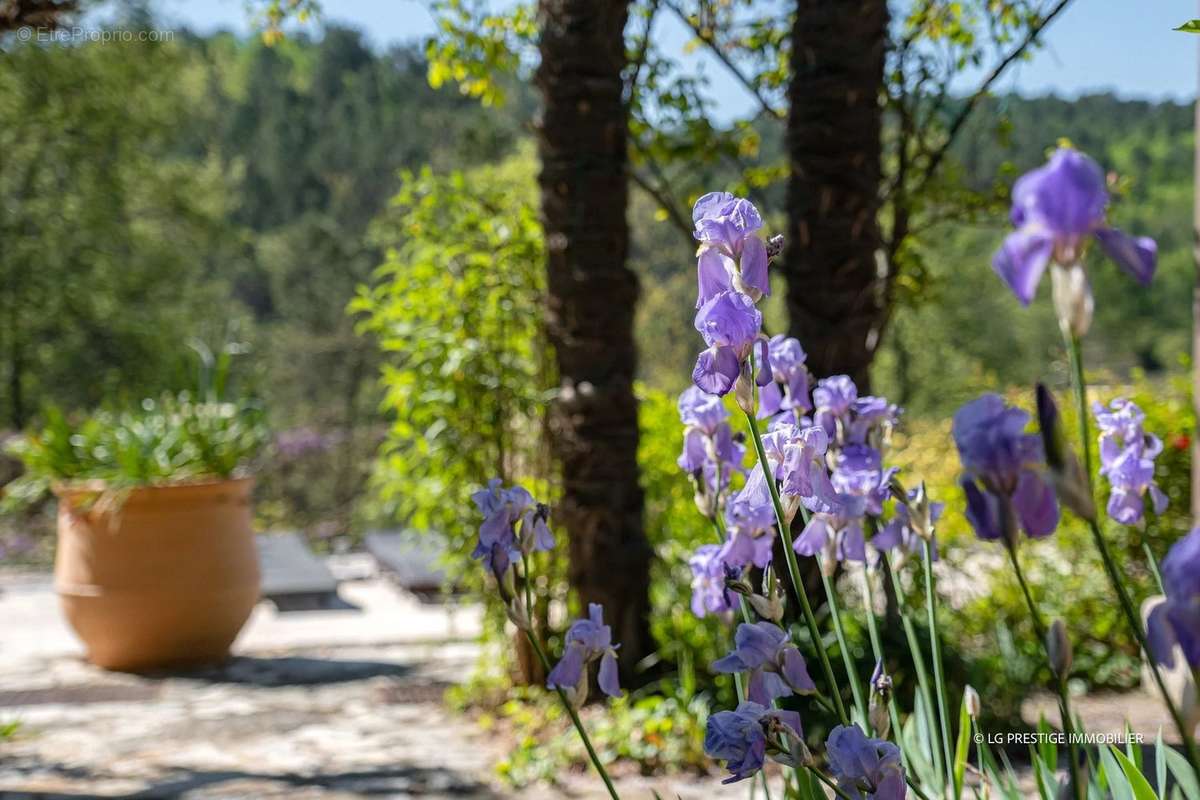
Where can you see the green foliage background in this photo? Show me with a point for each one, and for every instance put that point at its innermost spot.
(214, 189)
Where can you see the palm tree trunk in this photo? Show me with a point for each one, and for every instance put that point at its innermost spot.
(835, 287)
(591, 298)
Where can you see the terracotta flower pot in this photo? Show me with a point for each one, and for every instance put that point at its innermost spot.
(160, 575)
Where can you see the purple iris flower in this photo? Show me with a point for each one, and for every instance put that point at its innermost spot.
(1176, 620)
(731, 254)
(833, 398)
(742, 738)
(1003, 471)
(860, 486)
(788, 389)
(502, 510)
(751, 524)
(730, 325)
(587, 640)
(865, 769)
(898, 534)
(701, 410)
(1056, 208)
(837, 533)
(1127, 456)
(776, 668)
(846, 417)
(708, 440)
(858, 470)
(796, 456)
(709, 571)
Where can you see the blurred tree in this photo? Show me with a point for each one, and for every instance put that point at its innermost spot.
(582, 145)
(111, 238)
(318, 132)
(466, 371)
(834, 133)
(45, 14)
(869, 115)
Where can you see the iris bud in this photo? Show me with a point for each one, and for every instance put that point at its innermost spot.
(1070, 483)
(881, 696)
(768, 607)
(972, 702)
(1072, 299)
(1058, 648)
(743, 389)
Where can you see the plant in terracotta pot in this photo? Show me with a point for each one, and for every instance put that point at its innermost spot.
(156, 563)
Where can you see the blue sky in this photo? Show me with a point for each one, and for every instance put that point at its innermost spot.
(1126, 46)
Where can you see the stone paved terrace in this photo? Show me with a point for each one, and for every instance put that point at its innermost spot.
(325, 704)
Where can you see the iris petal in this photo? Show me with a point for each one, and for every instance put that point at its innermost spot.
(1136, 255)
(1021, 260)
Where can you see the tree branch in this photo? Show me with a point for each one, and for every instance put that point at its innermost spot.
(965, 112)
(643, 53)
(659, 196)
(708, 39)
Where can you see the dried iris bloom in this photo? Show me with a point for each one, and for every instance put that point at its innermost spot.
(744, 738)
(731, 253)
(1127, 456)
(1003, 471)
(765, 652)
(1056, 209)
(587, 640)
(1176, 620)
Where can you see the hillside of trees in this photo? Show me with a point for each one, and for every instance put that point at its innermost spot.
(222, 194)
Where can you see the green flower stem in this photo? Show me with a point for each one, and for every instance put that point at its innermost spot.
(794, 571)
(918, 659)
(835, 616)
(877, 651)
(1064, 695)
(718, 526)
(893, 710)
(1153, 562)
(1075, 354)
(575, 720)
(825, 779)
(936, 654)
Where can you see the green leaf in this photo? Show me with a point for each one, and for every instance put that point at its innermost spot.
(1185, 776)
(1047, 747)
(1191, 26)
(962, 747)
(1160, 763)
(1118, 783)
(1134, 752)
(1137, 781)
(1047, 782)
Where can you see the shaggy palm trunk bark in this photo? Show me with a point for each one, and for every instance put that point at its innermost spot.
(582, 145)
(836, 290)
